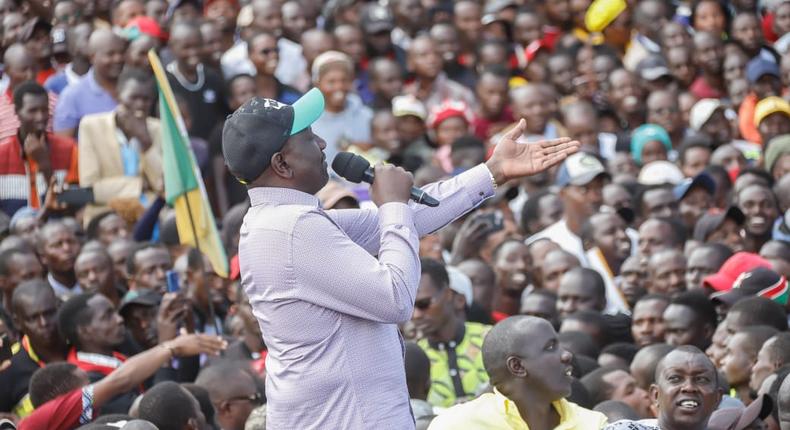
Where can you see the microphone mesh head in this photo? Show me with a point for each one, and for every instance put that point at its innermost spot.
(350, 166)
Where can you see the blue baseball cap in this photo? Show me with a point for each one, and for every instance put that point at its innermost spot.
(759, 67)
(260, 128)
(703, 180)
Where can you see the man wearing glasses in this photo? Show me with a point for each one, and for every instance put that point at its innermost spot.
(453, 346)
(233, 391)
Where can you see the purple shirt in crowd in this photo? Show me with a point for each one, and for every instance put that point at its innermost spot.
(328, 309)
(79, 99)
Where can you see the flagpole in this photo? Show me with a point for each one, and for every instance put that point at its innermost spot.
(156, 66)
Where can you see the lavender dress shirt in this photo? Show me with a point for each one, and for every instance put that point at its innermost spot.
(328, 308)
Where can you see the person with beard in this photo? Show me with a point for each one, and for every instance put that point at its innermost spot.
(581, 179)
(202, 89)
(685, 393)
(453, 346)
(33, 306)
(93, 330)
(97, 92)
(607, 246)
(531, 375)
(511, 262)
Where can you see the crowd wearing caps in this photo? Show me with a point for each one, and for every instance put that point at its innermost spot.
(676, 208)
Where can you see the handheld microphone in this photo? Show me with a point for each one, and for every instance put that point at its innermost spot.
(356, 169)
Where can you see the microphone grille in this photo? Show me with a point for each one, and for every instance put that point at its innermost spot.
(350, 166)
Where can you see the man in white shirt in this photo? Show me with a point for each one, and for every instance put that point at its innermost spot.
(581, 179)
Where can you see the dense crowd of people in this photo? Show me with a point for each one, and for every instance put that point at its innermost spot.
(640, 284)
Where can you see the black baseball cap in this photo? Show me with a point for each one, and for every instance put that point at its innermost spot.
(709, 222)
(260, 128)
(146, 298)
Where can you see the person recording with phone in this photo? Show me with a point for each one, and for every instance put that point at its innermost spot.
(34, 160)
(329, 287)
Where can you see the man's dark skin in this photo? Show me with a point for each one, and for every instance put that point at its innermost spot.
(654, 235)
(150, 268)
(409, 16)
(576, 293)
(33, 117)
(105, 330)
(581, 121)
(663, 109)
(294, 20)
(541, 306)
(512, 266)
(526, 364)
(386, 81)
(58, 249)
(532, 103)
(703, 261)
(660, 203)
(107, 55)
(759, 205)
(647, 326)
(492, 94)
(186, 42)
(446, 37)
(19, 65)
(632, 279)
(666, 271)
(649, 18)
(96, 275)
(626, 95)
(118, 251)
(264, 55)
(684, 326)
(34, 312)
(21, 266)
(581, 201)
(608, 235)
(77, 41)
(709, 53)
(437, 323)
(685, 374)
(426, 64)
(483, 281)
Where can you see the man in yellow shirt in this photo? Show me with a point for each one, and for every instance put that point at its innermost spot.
(531, 375)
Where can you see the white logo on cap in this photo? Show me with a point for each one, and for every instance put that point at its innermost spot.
(273, 104)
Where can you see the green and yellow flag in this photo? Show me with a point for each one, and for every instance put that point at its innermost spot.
(184, 188)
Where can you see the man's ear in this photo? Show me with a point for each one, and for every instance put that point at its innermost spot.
(279, 166)
(653, 394)
(459, 302)
(516, 367)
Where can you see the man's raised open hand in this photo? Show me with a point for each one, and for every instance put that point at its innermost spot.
(512, 160)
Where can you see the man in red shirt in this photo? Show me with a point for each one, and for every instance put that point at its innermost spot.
(20, 67)
(64, 400)
(31, 157)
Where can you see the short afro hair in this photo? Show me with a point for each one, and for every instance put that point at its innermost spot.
(53, 381)
(168, 405)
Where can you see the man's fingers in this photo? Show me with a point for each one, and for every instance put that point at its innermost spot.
(553, 143)
(516, 131)
(553, 159)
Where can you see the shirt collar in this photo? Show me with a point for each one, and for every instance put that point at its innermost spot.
(510, 410)
(281, 196)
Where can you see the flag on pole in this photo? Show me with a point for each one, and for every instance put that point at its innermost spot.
(184, 188)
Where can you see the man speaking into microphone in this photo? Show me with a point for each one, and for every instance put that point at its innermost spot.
(329, 287)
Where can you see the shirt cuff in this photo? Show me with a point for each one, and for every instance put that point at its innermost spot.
(395, 213)
(478, 183)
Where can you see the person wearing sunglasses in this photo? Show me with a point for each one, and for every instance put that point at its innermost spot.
(452, 345)
(233, 391)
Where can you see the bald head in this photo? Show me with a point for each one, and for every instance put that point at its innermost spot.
(31, 291)
(643, 366)
(682, 356)
(102, 39)
(503, 341)
(224, 379)
(15, 54)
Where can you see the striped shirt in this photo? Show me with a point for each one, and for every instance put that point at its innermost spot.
(328, 308)
(21, 184)
(9, 122)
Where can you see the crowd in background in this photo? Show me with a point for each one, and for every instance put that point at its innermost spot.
(664, 244)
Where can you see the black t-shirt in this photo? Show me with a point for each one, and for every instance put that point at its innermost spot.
(14, 381)
(207, 104)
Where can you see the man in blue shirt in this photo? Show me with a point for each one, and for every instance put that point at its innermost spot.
(96, 92)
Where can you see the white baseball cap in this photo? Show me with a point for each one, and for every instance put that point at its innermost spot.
(460, 283)
(660, 172)
(702, 111)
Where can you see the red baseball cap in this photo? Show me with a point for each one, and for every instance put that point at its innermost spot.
(146, 25)
(733, 268)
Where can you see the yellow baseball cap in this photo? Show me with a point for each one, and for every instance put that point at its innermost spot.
(768, 106)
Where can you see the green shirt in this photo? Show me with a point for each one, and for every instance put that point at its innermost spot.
(468, 371)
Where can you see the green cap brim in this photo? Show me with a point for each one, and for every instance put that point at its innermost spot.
(307, 110)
